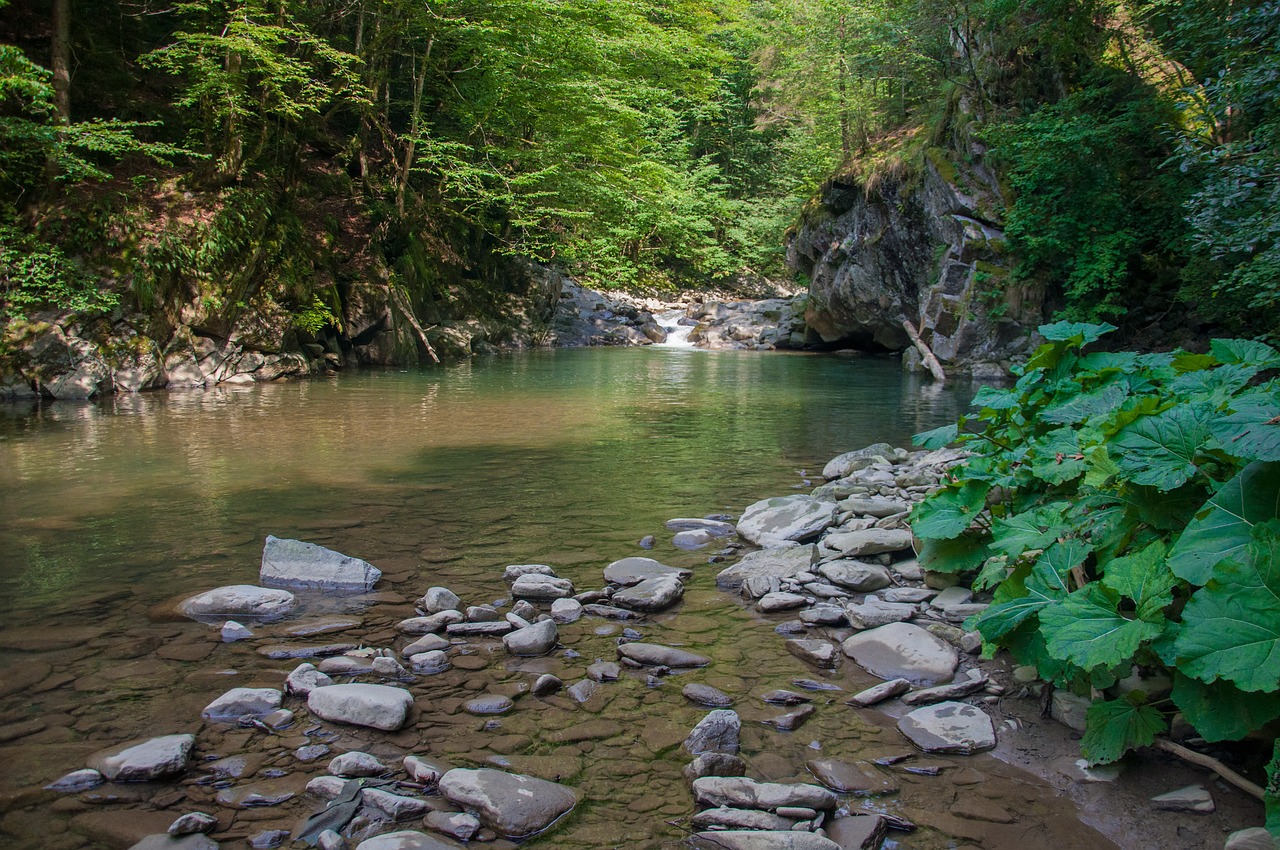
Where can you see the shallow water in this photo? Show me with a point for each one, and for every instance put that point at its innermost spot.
(111, 511)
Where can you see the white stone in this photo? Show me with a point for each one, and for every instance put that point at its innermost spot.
(238, 702)
(903, 651)
(156, 758)
(305, 678)
(783, 519)
(295, 563)
(541, 587)
(240, 600)
(377, 706)
(949, 727)
(355, 764)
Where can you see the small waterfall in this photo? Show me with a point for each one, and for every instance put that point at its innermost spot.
(677, 334)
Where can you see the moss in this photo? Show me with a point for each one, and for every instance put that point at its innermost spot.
(942, 164)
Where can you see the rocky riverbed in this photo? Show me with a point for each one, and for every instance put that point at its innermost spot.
(818, 691)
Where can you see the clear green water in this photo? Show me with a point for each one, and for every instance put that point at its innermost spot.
(111, 512)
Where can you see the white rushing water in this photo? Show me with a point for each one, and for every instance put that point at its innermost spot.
(677, 334)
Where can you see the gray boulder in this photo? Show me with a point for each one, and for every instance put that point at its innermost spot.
(511, 804)
(783, 519)
(294, 563)
(903, 651)
(540, 587)
(377, 706)
(949, 727)
(165, 841)
(655, 655)
(871, 541)
(305, 678)
(238, 702)
(537, 639)
(514, 571)
(856, 576)
(842, 465)
(438, 599)
(407, 839)
(716, 527)
(739, 792)
(762, 840)
(630, 571)
(652, 594)
(355, 764)
(872, 613)
(718, 732)
(245, 601)
(156, 758)
(778, 562)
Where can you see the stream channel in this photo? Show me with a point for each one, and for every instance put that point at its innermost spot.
(111, 512)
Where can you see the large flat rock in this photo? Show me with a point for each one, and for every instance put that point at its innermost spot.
(903, 651)
(783, 519)
(750, 839)
(156, 758)
(295, 563)
(376, 706)
(949, 727)
(240, 601)
(739, 792)
(511, 804)
(652, 594)
(406, 839)
(656, 655)
(629, 571)
(777, 562)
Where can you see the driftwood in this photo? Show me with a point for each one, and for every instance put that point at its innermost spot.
(1212, 763)
(403, 304)
(935, 368)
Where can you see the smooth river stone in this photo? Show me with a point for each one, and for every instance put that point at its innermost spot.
(739, 792)
(784, 519)
(872, 541)
(718, 732)
(706, 695)
(843, 464)
(156, 758)
(692, 539)
(377, 706)
(779, 563)
(537, 639)
(295, 563)
(243, 601)
(949, 727)
(762, 840)
(903, 651)
(857, 778)
(652, 594)
(856, 576)
(238, 702)
(717, 527)
(488, 704)
(406, 839)
(629, 571)
(656, 655)
(542, 588)
(510, 804)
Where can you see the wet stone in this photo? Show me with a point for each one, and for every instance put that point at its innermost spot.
(817, 652)
(781, 697)
(346, 665)
(856, 575)
(949, 727)
(726, 818)
(762, 840)
(604, 671)
(405, 839)
(903, 651)
(249, 797)
(193, 822)
(653, 594)
(156, 758)
(656, 655)
(311, 752)
(268, 839)
(706, 695)
(879, 693)
(426, 643)
(860, 832)
(743, 793)
(858, 778)
(783, 519)
(1193, 798)
(239, 702)
(295, 563)
(542, 588)
(546, 685)
(511, 804)
(514, 571)
(718, 732)
(377, 706)
(582, 691)
(714, 764)
(780, 601)
(872, 613)
(243, 601)
(77, 780)
(791, 720)
(438, 599)
(393, 807)
(429, 663)
(488, 704)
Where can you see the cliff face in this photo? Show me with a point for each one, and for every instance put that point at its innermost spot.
(926, 248)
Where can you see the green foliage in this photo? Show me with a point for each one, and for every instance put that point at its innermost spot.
(1138, 524)
(35, 275)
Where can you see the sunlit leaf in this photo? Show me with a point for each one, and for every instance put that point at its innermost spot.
(937, 438)
(1067, 331)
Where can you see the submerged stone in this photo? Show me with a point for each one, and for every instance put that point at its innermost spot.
(511, 804)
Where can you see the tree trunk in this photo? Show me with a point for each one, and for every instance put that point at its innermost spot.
(419, 79)
(935, 368)
(61, 60)
(842, 69)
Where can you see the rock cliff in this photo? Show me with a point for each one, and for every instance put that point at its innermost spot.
(923, 245)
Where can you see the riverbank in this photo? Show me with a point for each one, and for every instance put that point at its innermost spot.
(598, 685)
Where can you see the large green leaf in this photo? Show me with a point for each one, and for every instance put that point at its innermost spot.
(1088, 630)
(1231, 627)
(1214, 386)
(1113, 728)
(937, 438)
(1143, 577)
(1033, 529)
(1059, 457)
(1017, 599)
(956, 555)
(1221, 711)
(996, 399)
(1252, 432)
(1069, 331)
(1160, 450)
(949, 512)
(1223, 528)
(1109, 361)
(1246, 352)
(1086, 405)
(1169, 511)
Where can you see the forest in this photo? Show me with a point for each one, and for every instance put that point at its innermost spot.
(261, 154)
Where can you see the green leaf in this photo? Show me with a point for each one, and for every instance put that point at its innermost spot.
(1071, 331)
(1188, 362)
(1223, 528)
(1053, 567)
(1109, 361)
(1271, 794)
(1033, 529)
(1160, 450)
(1214, 386)
(1252, 432)
(949, 512)
(1088, 630)
(1231, 626)
(1165, 511)
(1086, 405)
(1113, 728)
(1221, 711)
(937, 438)
(1059, 457)
(1017, 599)
(1143, 577)
(996, 399)
(1246, 352)
(957, 555)
(994, 571)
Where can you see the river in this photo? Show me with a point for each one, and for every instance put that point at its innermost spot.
(112, 511)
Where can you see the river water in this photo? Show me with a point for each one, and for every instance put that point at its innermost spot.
(110, 512)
